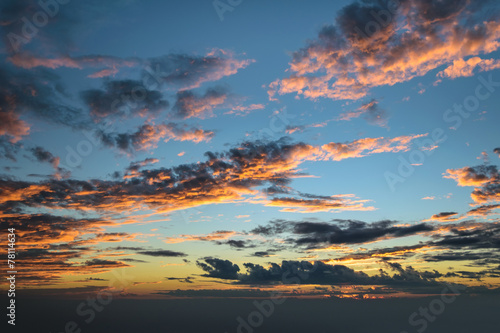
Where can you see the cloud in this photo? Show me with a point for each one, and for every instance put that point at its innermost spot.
(216, 235)
(218, 268)
(238, 244)
(11, 125)
(483, 210)
(357, 53)
(485, 179)
(189, 72)
(497, 151)
(29, 61)
(181, 71)
(370, 111)
(471, 236)
(53, 245)
(240, 110)
(461, 67)
(34, 93)
(148, 136)
(189, 105)
(162, 253)
(318, 273)
(45, 156)
(320, 234)
(231, 176)
(473, 176)
(368, 146)
(134, 167)
(123, 98)
(263, 254)
(8, 149)
(319, 205)
(444, 217)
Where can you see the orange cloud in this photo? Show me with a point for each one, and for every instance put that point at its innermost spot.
(468, 176)
(368, 146)
(318, 205)
(11, 125)
(345, 62)
(461, 67)
(444, 217)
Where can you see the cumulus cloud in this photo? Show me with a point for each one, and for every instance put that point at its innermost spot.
(230, 176)
(461, 67)
(485, 179)
(357, 52)
(473, 176)
(218, 268)
(307, 273)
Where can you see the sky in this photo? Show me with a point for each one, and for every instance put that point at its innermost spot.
(234, 149)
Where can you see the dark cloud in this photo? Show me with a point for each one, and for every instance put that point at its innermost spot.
(481, 236)
(265, 254)
(43, 155)
(37, 93)
(483, 210)
(238, 244)
(461, 256)
(304, 272)
(188, 72)
(162, 253)
(444, 216)
(123, 98)
(8, 149)
(103, 263)
(497, 151)
(313, 234)
(218, 268)
(188, 279)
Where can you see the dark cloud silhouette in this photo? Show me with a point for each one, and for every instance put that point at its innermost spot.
(313, 234)
(304, 272)
(218, 268)
(162, 253)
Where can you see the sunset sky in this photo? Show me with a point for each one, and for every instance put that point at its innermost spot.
(320, 149)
